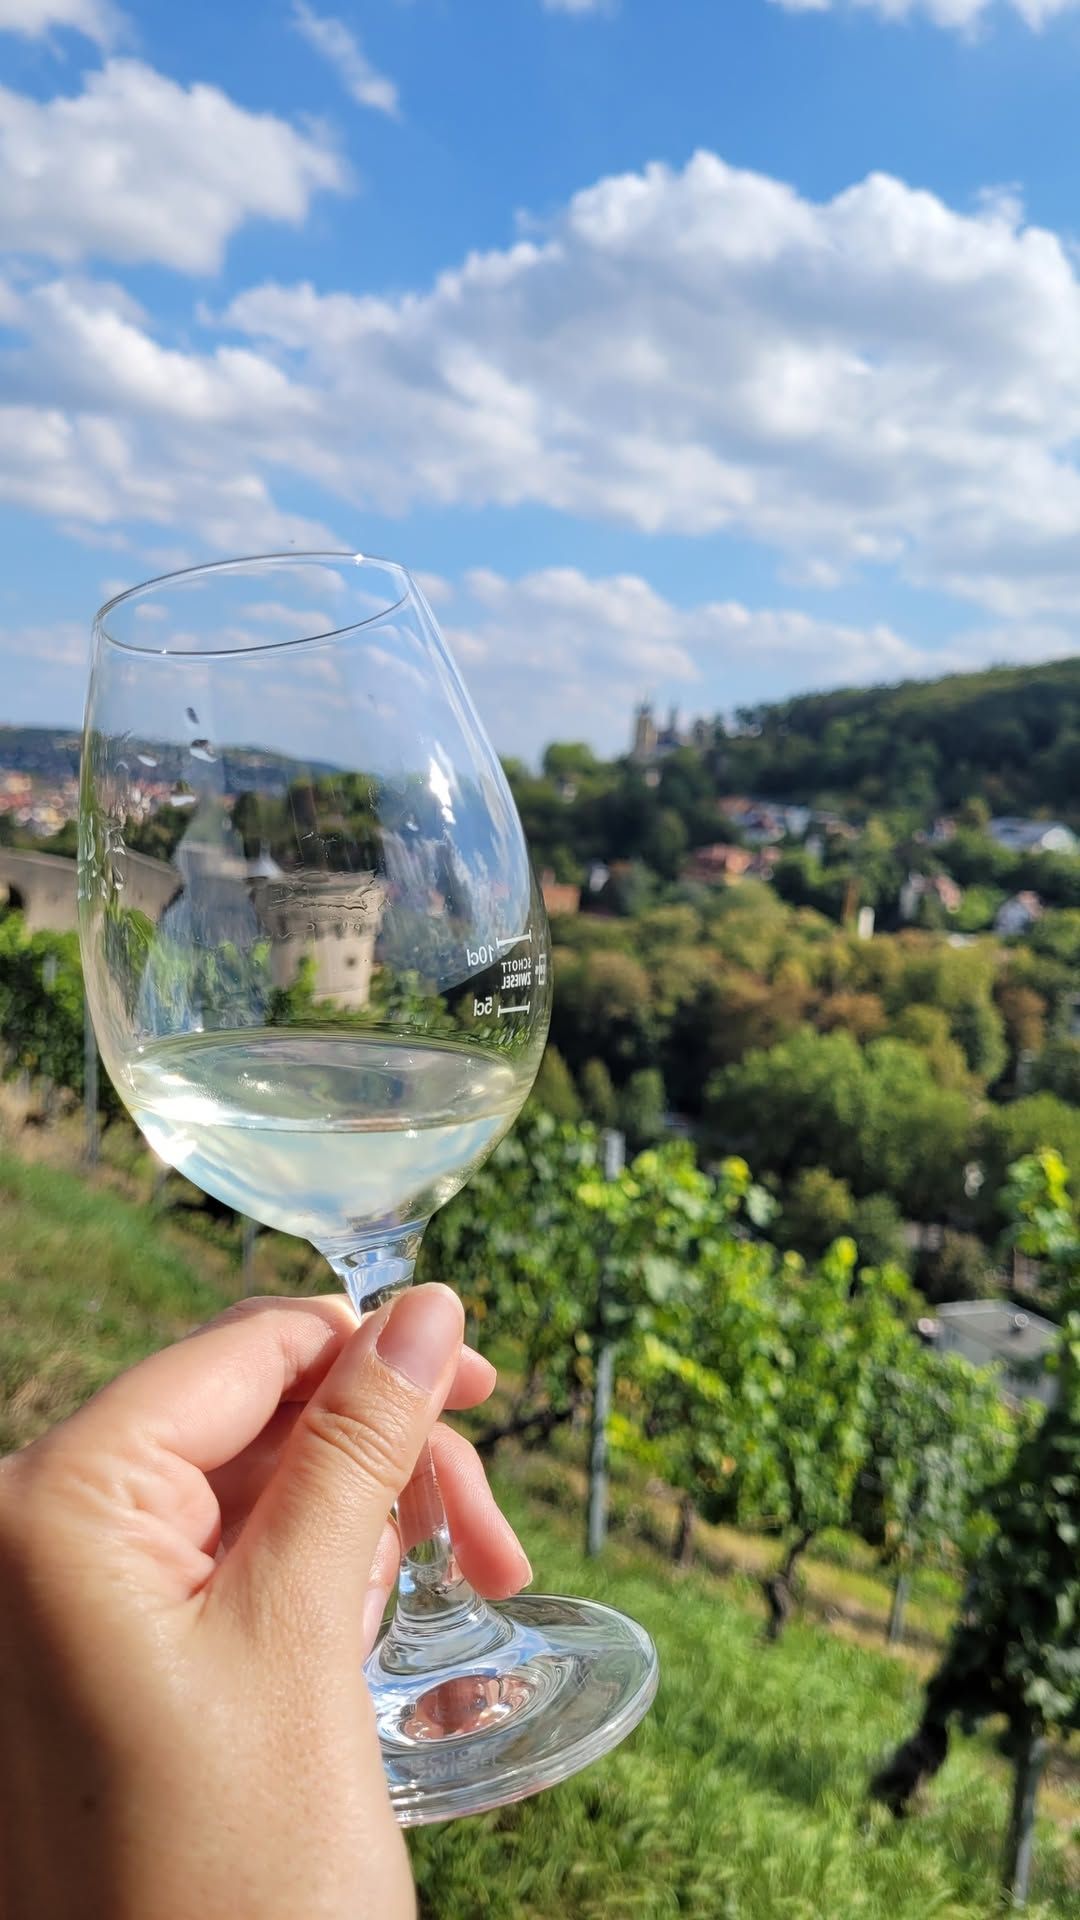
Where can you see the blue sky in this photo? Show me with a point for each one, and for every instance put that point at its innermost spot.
(708, 352)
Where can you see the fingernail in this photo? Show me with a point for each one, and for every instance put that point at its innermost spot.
(526, 1574)
(371, 1617)
(422, 1335)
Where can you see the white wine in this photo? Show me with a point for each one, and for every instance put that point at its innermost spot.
(332, 1136)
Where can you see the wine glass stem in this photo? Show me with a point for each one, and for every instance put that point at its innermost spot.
(439, 1618)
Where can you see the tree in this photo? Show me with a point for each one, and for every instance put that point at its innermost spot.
(873, 1115)
(977, 909)
(877, 1228)
(664, 845)
(642, 1108)
(957, 1268)
(1015, 1650)
(817, 1209)
(41, 1004)
(604, 1005)
(570, 760)
(598, 1094)
(940, 1435)
(1024, 1013)
(1057, 1070)
(838, 1336)
(1011, 1132)
(980, 1031)
(862, 1014)
(696, 1399)
(554, 1088)
(928, 1029)
(1058, 934)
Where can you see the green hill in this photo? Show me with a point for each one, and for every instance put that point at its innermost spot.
(1010, 735)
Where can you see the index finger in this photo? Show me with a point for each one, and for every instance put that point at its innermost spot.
(210, 1396)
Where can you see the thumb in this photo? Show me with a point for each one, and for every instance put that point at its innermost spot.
(310, 1540)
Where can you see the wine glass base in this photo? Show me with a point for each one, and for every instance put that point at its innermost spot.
(570, 1681)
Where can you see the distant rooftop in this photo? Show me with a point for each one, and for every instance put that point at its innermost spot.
(1009, 830)
(994, 1331)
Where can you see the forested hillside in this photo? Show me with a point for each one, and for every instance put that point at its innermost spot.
(1010, 736)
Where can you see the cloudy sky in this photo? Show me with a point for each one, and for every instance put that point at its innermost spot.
(706, 352)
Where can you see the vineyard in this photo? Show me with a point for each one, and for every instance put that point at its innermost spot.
(649, 1324)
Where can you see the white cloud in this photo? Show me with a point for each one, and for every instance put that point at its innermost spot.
(96, 19)
(336, 43)
(961, 14)
(578, 6)
(139, 168)
(557, 652)
(877, 379)
(91, 349)
(44, 671)
(875, 382)
(92, 472)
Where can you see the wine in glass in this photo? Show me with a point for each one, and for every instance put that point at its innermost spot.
(321, 984)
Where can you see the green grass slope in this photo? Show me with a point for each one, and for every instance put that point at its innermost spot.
(743, 1795)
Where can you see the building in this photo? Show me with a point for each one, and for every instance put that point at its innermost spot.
(723, 866)
(1017, 914)
(558, 896)
(650, 741)
(928, 886)
(643, 746)
(1032, 836)
(994, 1332)
(717, 866)
(764, 822)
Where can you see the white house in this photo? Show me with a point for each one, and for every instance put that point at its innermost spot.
(1032, 836)
(1017, 914)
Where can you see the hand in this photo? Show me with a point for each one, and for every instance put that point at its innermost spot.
(192, 1569)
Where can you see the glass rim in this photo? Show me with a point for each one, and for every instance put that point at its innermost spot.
(253, 563)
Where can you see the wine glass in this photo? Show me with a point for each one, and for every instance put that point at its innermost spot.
(319, 972)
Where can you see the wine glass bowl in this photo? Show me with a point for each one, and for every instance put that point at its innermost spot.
(319, 972)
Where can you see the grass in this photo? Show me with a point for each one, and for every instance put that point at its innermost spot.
(88, 1284)
(742, 1797)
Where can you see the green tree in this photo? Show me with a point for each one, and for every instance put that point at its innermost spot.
(980, 1031)
(41, 1004)
(1057, 1070)
(928, 1029)
(598, 1095)
(817, 1209)
(571, 760)
(554, 1088)
(940, 1434)
(873, 1115)
(877, 1228)
(1008, 1133)
(837, 1337)
(664, 845)
(959, 1267)
(1015, 1650)
(642, 1108)
(977, 909)
(695, 1404)
(604, 1005)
